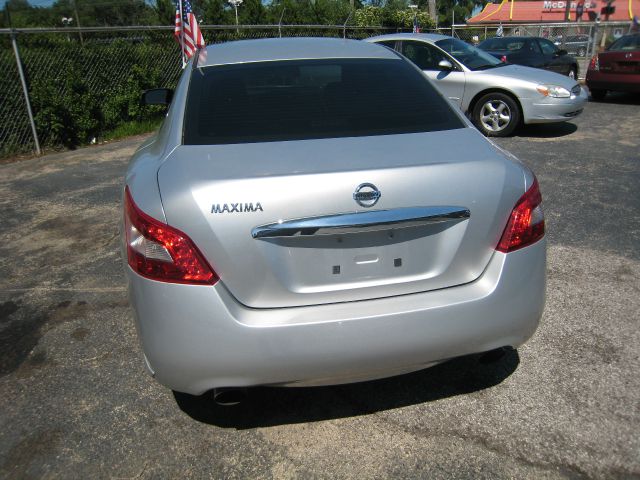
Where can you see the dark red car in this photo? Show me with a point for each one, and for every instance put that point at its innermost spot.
(616, 69)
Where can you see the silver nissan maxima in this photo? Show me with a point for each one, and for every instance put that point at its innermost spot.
(313, 212)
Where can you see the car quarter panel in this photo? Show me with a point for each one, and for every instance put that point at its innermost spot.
(141, 176)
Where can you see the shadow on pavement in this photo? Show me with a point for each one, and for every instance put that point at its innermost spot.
(620, 98)
(269, 406)
(546, 130)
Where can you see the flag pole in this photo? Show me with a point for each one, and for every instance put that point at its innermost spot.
(184, 63)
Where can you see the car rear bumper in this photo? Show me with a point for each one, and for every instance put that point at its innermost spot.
(199, 337)
(619, 82)
(549, 110)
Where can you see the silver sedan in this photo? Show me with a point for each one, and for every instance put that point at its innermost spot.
(314, 211)
(497, 96)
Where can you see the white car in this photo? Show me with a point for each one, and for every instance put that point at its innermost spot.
(497, 96)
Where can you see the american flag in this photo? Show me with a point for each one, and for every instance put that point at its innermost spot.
(187, 29)
(416, 25)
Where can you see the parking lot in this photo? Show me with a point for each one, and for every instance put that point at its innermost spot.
(76, 402)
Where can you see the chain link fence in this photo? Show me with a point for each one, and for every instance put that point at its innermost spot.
(15, 130)
(580, 39)
(83, 83)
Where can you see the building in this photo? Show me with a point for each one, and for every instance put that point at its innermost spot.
(553, 11)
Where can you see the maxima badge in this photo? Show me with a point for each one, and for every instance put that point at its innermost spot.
(367, 195)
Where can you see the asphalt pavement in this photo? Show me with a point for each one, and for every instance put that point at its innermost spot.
(76, 402)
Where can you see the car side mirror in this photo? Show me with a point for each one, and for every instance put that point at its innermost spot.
(157, 96)
(445, 65)
(561, 52)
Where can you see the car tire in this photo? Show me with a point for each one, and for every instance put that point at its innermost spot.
(597, 95)
(582, 52)
(496, 114)
(573, 73)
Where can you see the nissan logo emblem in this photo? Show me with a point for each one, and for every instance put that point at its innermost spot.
(367, 195)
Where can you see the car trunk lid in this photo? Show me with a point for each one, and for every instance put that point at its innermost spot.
(415, 238)
(620, 62)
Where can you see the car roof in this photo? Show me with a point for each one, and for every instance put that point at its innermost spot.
(516, 37)
(272, 49)
(425, 37)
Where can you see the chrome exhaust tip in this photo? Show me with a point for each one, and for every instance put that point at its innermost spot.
(228, 397)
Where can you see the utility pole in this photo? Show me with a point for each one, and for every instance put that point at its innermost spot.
(75, 10)
(8, 15)
(236, 4)
(433, 13)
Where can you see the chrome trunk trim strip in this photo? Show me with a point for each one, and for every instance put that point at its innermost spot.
(359, 222)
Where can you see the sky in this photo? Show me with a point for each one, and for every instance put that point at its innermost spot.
(34, 3)
(43, 3)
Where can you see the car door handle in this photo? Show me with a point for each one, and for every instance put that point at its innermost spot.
(359, 222)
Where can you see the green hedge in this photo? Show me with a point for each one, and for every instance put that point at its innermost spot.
(80, 92)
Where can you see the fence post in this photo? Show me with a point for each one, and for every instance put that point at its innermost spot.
(344, 27)
(590, 48)
(75, 9)
(603, 40)
(25, 90)
(280, 22)
(596, 31)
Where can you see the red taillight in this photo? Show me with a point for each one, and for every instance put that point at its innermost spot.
(526, 223)
(594, 64)
(159, 252)
(503, 59)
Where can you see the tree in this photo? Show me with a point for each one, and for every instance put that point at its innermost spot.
(165, 12)
(21, 14)
(109, 13)
(295, 12)
(394, 15)
(369, 16)
(330, 12)
(252, 12)
(391, 13)
(463, 10)
(216, 12)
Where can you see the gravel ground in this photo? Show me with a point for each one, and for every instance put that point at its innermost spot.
(76, 402)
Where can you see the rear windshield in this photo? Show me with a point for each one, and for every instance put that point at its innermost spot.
(295, 100)
(509, 43)
(631, 42)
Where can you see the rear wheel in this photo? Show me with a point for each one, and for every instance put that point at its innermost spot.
(496, 114)
(598, 95)
(582, 52)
